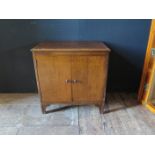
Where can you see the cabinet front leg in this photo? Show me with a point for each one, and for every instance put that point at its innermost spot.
(43, 108)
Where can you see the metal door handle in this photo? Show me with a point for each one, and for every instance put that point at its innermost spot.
(72, 81)
(76, 81)
(68, 81)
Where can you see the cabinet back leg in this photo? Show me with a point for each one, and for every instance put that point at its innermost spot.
(101, 107)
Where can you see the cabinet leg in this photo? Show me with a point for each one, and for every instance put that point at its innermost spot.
(101, 108)
(43, 108)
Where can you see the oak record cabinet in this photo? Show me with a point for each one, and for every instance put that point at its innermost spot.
(72, 73)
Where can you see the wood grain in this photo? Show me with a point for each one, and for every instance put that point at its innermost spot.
(89, 72)
(71, 46)
(52, 74)
(125, 116)
(147, 86)
(83, 65)
(151, 41)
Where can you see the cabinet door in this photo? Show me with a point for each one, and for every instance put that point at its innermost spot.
(53, 71)
(90, 73)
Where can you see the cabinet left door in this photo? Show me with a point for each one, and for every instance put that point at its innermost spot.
(52, 74)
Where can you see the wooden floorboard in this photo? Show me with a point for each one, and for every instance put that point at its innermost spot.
(117, 114)
(139, 115)
(21, 114)
(90, 120)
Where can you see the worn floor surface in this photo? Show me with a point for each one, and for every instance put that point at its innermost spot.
(20, 114)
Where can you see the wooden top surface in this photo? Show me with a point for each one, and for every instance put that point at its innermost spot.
(71, 46)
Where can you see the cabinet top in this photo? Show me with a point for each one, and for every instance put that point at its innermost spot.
(71, 46)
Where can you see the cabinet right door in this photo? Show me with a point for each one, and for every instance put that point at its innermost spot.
(89, 75)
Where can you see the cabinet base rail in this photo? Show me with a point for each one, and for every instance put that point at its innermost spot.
(65, 107)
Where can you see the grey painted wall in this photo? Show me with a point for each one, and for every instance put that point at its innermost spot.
(126, 38)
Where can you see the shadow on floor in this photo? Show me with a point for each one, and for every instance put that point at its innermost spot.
(121, 101)
(112, 104)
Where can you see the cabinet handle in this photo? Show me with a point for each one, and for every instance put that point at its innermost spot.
(68, 81)
(76, 81)
(72, 81)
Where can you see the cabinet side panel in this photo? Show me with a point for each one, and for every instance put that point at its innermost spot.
(53, 71)
(36, 74)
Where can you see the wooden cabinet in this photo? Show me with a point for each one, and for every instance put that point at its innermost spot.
(71, 72)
